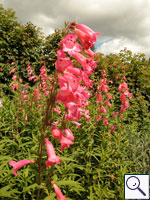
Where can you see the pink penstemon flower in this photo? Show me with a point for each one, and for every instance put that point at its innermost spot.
(86, 35)
(36, 94)
(89, 65)
(65, 94)
(113, 128)
(19, 164)
(56, 132)
(26, 117)
(57, 109)
(86, 81)
(65, 142)
(74, 70)
(29, 70)
(107, 103)
(12, 71)
(14, 77)
(69, 43)
(77, 123)
(99, 97)
(35, 78)
(123, 89)
(1, 103)
(69, 134)
(109, 96)
(90, 53)
(58, 192)
(88, 31)
(115, 114)
(97, 118)
(52, 158)
(73, 111)
(102, 110)
(69, 79)
(84, 39)
(105, 121)
(14, 86)
(63, 62)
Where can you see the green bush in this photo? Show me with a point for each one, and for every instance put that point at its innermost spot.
(94, 167)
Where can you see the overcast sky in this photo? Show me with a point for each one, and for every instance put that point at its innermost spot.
(122, 23)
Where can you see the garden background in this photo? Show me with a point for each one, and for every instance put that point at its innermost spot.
(94, 167)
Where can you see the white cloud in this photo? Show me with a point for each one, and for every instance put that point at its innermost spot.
(115, 45)
(127, 21)
(45, 22)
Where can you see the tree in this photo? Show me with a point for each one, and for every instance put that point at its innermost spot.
(19, 45)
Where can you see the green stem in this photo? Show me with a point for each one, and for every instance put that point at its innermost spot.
(40, 153)
(48, 115)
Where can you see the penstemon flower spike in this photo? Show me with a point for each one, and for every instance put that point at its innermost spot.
(73, 93)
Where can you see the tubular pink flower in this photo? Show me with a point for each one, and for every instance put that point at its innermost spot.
(105, 121)
(89, 65)
(115, 114)
(111, 82)
(72, 80)
(99, 97)
(57, 109)
(26, 117)
(65, 94)
(109, 96)
(90, 53)
(104, 88)
(63, 62)
(14, 86)
(81, 96)
(56, 123)
(56, 132)
(65, 142)
(102, 110)
(73, 111)
(69, 134)
(69, 43)
(88, 31)
(84, 39)
(58, 192)
(107, 103)
(12, 71)
(124, 78)
(74, 70)
(77, 124)
(97, 118)
(88, 118)
(80, 58)
(113, 128)
(123, 97)
(35, 78)
(85, 113)
(14, 77)
(127, 93)
(36, 94)
(19, 164)
(52, 158)
(86, 81)
(123, 87)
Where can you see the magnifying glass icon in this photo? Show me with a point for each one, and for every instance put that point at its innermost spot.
(133, 183)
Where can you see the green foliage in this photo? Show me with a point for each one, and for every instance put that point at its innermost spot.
(24, 44)
(94, 167)
(19, 44)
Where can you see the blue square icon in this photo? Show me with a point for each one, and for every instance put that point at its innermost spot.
(136, 186)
